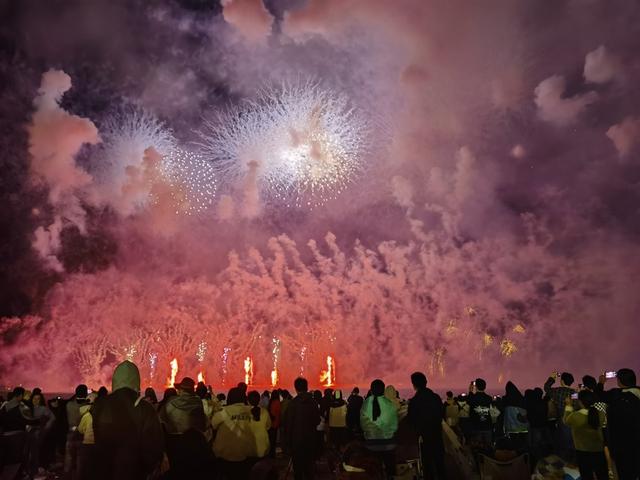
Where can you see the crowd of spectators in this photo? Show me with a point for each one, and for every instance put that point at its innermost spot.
(192, 433)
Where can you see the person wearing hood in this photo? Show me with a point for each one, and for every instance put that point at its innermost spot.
(379, 422)
(623, 422)
(185, 425)
(426, 414)
(86, 452)
(299, 423)
(127, 431)
(338, 420)
(515, 423)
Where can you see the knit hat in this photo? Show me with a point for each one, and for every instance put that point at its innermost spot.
(126, 375)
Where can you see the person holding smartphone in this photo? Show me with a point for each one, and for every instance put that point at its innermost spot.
(562, 442)
(586, 422)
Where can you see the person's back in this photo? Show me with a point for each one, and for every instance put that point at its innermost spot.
(479, 407)
(260, 425)
(234, 440)
(354, 405)
(185, 411)
(127, 432)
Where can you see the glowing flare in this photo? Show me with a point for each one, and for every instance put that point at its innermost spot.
(327, 377)
(248, 370)
(200, 376)
(174, 371)
(274, 378)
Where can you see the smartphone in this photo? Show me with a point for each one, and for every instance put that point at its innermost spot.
(473, 383)
(574, 396)
(558, 375)
(610, 374)
(580, 386)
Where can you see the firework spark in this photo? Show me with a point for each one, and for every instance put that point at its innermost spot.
(192, 181)
(309, 143)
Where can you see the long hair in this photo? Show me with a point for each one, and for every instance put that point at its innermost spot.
(587, 399)
(254, 400)
(377, 390)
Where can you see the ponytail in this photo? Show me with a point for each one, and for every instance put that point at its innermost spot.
(255, 411)
(593, 418)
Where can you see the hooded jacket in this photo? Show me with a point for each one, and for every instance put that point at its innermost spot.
(235, 440)
(338, 411)
(184, 412)
(128, 435)
(382, 428)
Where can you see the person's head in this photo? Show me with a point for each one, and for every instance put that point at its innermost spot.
(301, 385)
(126, 375)
(169, 393)
(36, 391)
(626, 378)
(266, 394)
(221, 397)
(236, 395)
(538, 393)
(418, 380)
(253, 397)
(243, 387)
(201, 390)
(481, 384)
(254, 400)
(18, 393)
(37, 399)
(275, 395)
(587, 399)
(377, 388)
(511, 390)
(82, 391)
(589, 383)
(150, 395)
(328, 392)
(449, 395)
(103, 392)
(355, 391)
(186, 386)
(566, 379)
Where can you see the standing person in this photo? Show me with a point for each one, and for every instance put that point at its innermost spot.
(275, 412)
(586, 430)
(40, 432)
(515, 422)
(260, 425)
(354, 404)
(563, 442)
(234, 444)
(74, 439)
(15, 416)
(185, 425)
(379, 422)
(623, 423)
(480, 423)
(86, 452)
(299, 423)
(426, 413)
(451, 411)
(127, 431)
(338, 421)
(539, 436)
(150, 396)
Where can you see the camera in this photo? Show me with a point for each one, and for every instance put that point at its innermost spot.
(574, 396)
(611, 374)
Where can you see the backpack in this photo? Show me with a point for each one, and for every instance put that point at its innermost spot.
(623, 417)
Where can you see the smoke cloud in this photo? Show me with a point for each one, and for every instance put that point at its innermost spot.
(492, 230)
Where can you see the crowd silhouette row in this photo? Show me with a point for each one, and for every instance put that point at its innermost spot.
(587, 429)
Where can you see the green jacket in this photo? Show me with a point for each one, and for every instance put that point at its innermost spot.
(384, 427)
(585, 437)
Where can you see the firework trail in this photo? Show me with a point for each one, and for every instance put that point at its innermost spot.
(309, 143)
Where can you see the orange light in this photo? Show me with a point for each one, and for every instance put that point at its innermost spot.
(174, 372)
(274, 377)
(200, 376)
(328, 376)
(248, 370)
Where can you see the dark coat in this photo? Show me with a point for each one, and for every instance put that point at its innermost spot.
(426, 412)
(299, 423)
(182, 413)
(128, 435)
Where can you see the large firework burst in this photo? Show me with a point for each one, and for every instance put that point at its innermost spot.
(309, 143)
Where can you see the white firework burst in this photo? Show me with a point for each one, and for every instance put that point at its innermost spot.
(309, 143)
(126, 134)
(192, 181)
